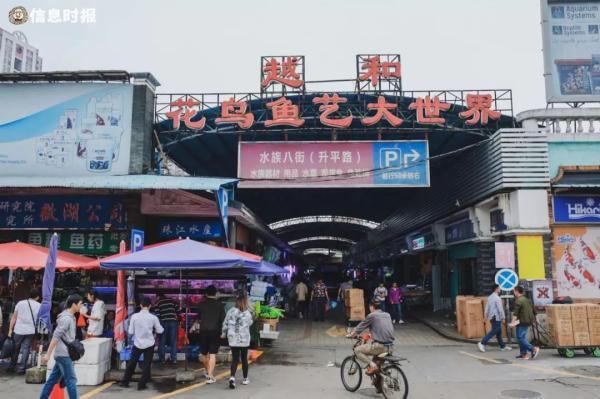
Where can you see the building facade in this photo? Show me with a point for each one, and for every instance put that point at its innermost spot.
(16, 54)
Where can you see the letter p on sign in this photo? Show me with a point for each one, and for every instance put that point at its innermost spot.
(137, 240)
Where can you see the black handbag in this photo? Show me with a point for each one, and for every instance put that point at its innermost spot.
(75, 348)
(7, 348)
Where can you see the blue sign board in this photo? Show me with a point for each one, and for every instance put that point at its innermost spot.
(577, 209)
(507, 279)
(401, 163)
(460, 231)
(62, 212)
(223, 202)
(204, 230)
(137, 240)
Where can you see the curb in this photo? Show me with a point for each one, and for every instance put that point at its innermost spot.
(444, 334)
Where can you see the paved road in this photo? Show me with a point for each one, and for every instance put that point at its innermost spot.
(303, 365)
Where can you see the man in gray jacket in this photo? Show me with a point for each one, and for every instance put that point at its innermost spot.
(494, 312)
(65, 332)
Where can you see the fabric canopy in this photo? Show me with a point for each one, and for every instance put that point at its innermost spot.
(180, 254)
(96, 262)
(19, 255)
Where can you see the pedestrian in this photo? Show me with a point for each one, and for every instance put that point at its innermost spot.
(522, 319)
(301, 294)
(96, 316)
(142, 326)
(166, 310)
(211, 314)
(346, 285)
(494, 312)
(396, 303)
(63, 334)
(319, 299)
(290, 296)
(22, 329)
(380, 295)
(236, 328)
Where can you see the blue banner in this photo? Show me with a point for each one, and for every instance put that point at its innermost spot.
(193, 229)
(53, 212)
(401, 163)
(577, 209)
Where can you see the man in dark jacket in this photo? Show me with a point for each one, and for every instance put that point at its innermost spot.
(211, 314)
(523, 318)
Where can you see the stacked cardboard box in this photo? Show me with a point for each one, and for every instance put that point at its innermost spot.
(593, 314)
(581, 330)
(469, 316)
(355, 304)
(560, 324)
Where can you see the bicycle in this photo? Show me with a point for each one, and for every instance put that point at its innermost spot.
(389, 380)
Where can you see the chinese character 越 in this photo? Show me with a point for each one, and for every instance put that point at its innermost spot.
(16, 207)
(11, 221)
(28, 220)
(37, 16)
(87, 15)
(95, 241)
(77, 241)
(92, 216)
(185, 109)
(71, 212)
(284, 73)
(329, 106)
(376, 69)
(116, 213)
(265, 157)
(284, 113)
(54, 16)
(29, 206)
(427, 112)
(47, 212)
(235, 112)
(382, 109)
(479, 109)
(35, 238)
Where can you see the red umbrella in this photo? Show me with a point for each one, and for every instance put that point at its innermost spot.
(19, 255)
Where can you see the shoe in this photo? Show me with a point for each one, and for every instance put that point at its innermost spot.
(232, 383)
(211, 380)
(519, 357)
(205, 376)
(536, 352)
(142, 387)
(371, 370)
(401, 322)
(525, 357)
(124, 385)
(481, 347)
(506, 349)
(246, 381)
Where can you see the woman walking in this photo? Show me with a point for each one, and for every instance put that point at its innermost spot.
(236, 327)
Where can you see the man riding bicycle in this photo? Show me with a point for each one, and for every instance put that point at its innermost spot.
(382, 336)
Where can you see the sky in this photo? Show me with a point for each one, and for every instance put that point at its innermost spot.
(194, 46)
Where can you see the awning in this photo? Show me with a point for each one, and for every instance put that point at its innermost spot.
(128, 182)
(578, 179)
(19, 255)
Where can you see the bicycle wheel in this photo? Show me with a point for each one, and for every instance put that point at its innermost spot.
(351, 374)
(394, 384)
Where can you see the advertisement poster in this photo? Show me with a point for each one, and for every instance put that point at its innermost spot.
(576, 253)
(65, 129)
(576, 209)
(334, 164)
(505, 255)
(571, 50)
(542, 292)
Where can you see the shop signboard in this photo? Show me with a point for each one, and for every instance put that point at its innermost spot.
(576, 255)
(505, 255)
(459, 231)
(56, 129)
(571, 50)
(137, 240)
(54, 212)
(542, 292)
(418, 243)
(198, 229)
(98, 243)
(577, 209)
(334, 164)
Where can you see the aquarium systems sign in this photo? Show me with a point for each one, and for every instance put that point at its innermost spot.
(577, 209)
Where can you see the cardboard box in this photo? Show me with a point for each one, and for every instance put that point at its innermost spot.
(356, 313)
(593, 311)
(594, 325)
(561, 331)
(559, 312)
(582, 338)
(354, 297)
(474, 326)
(579, 311)
(461, 312)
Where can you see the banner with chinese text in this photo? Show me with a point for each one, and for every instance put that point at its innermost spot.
(86, 243)
(334, 164)
(193, 229)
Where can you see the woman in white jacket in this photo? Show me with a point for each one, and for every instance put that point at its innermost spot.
(236, 327)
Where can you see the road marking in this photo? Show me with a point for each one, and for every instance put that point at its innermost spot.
(535, 368)
(224, 374)
(96, 391)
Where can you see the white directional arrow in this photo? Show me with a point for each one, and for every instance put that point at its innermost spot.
(414, 156)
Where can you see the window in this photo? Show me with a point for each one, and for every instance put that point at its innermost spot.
(8, 46)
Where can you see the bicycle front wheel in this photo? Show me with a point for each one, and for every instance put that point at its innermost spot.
(351, 374)
(394, 384)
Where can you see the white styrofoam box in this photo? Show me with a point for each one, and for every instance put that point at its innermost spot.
(260, 284)
(269, 335)
(88, 374)
(97, 351)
